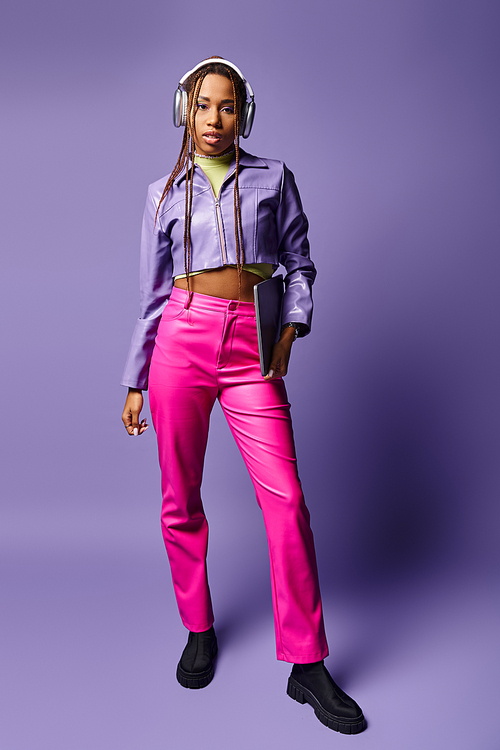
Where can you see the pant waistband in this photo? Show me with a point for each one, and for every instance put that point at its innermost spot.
(197, 301)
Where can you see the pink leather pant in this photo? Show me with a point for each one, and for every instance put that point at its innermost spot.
(208, 350)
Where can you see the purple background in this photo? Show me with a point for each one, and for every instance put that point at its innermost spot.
(387, 111)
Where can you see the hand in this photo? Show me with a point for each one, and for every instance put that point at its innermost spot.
(281, 355)
(130, 416)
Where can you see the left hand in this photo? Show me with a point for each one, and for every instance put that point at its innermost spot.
(281, 355)
(131, 412)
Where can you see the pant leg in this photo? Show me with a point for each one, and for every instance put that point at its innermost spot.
(182, 393)
(258, 414)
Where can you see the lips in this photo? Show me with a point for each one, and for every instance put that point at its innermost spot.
(211, 137)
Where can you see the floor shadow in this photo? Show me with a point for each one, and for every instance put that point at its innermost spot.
(384, 506)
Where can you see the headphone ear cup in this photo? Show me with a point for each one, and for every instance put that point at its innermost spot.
(247, 119)
(176, 112)
(180, 108)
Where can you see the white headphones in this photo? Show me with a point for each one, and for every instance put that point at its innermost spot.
(181, 98)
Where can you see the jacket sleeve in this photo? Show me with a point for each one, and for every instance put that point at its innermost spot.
(155, 288)
(293, 252)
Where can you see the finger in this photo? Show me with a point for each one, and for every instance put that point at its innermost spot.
(282, 369)
(133, 425)
(136, 428)
(274, 372)
(275, 368)
(127, 421)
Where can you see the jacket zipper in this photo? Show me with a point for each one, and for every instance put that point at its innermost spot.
(219, 219)
(221, 234)
(219, 215)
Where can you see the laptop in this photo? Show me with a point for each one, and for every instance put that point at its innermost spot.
(268, 297)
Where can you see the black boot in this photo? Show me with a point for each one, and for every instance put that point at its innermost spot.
(311, 683)
(196, 667)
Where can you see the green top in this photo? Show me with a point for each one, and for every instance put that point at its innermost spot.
(215, 169)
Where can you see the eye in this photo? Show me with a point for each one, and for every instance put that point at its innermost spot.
(201, 105)
(228, 110)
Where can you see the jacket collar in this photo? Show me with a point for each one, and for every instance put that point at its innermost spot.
(246, 160)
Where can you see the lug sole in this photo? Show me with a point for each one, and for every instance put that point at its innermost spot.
(345, 726)
(196, 680)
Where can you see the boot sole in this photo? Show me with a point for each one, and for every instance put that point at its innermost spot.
(302, 695)
(197, 680)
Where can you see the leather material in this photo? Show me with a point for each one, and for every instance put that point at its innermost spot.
(206, 351)
(317, 679)
(313, 684)
(198, 653)
(274, 231)
(196, 666)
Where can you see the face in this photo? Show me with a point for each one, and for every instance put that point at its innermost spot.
(214, 119)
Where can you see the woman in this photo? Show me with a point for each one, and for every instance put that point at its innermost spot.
(222, 222)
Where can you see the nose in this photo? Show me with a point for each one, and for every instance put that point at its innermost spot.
(214, 117)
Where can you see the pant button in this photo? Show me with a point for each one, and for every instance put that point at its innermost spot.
(232, 306)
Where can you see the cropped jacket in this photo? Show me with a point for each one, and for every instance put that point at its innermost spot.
(274, 231)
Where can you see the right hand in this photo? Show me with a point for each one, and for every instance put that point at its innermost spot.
(131, 412)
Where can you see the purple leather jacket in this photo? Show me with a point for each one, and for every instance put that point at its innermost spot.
(274, 231)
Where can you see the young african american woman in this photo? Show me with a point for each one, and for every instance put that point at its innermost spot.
(219, 224)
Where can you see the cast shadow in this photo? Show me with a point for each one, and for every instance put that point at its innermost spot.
(384, 513)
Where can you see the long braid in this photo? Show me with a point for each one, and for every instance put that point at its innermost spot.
(238, 231)
(190, 175)
(186, 158)
(187, 217)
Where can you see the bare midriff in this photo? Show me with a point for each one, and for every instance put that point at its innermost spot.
(222, 282)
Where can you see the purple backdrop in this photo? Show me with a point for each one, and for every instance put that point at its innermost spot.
(388, 113)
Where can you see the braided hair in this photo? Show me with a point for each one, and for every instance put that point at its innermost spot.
(187, 153)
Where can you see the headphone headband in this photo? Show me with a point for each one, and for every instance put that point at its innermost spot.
(181, 97)
(221, 61)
